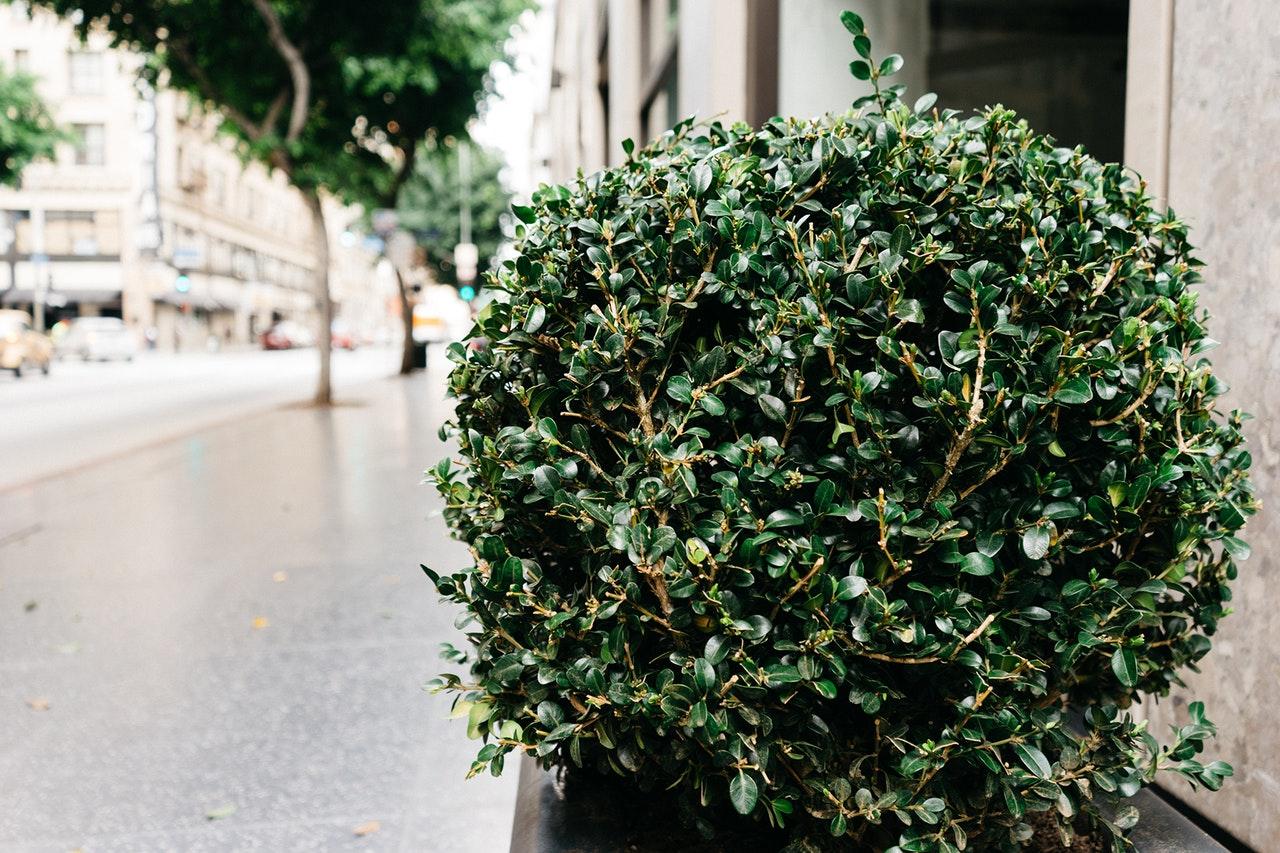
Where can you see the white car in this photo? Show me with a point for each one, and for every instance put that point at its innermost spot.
(98, 339)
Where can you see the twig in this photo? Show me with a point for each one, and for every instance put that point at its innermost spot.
(799, 585)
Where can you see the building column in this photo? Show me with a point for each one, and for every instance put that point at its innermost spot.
(625, 66)
(1149, 93)
(815, 51)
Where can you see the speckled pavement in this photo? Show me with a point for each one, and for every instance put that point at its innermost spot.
(219, 642)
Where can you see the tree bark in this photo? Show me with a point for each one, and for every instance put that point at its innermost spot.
(406, 315)
(324, 303)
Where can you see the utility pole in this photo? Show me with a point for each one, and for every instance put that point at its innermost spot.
(39, 269)
(464, 192)
(466, 257)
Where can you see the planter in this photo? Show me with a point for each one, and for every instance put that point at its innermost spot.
(553, 816)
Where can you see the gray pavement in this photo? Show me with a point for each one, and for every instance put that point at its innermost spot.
(233, 623)
(81, 413)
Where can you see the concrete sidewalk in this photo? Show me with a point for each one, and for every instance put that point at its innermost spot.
(234, 624)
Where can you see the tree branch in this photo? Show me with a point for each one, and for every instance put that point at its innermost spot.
(297, 69)
(402, 173)
(247, 126)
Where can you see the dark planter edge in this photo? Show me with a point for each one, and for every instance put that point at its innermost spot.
(545, 823)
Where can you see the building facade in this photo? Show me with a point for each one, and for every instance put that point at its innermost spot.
(1187, 92)
(150, 214)
(629, 69)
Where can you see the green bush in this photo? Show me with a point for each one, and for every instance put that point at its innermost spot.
(822, 469)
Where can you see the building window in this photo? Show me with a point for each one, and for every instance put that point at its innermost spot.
(86, 72)
(82, 233)
(658, 99)
(1059, 63)
(22, 61)
(90, 144)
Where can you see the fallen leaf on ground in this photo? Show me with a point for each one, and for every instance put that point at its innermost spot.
(367, 828)
(260, 622)
(226, 810)
(280, 577)
(38, 704)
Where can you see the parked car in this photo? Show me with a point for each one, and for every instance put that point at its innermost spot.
(21, 346)
(342, 337)
(98, 339)
(287, 335)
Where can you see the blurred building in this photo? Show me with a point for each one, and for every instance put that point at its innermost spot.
(631, 68)
(1187, 92)
(150, 214)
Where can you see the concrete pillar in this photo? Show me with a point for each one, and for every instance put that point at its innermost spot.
(1203, 116)
(712, 60)
(1149, 92)
(815, 51)
(590, 110)
(625, 67)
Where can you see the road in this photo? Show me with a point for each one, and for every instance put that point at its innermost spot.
(81, 412)
(217, 641)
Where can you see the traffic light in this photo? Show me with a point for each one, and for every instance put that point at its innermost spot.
(467, 292)
(182, 283)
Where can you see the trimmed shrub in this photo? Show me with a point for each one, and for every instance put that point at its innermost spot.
(820, 470)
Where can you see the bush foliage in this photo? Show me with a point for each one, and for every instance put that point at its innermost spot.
(820, 469)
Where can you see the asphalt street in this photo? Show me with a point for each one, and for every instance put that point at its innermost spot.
(218, 639)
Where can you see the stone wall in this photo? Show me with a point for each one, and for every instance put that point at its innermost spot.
(1205, 79)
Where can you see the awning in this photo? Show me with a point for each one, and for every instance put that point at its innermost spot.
(59, 298)
(200, 301)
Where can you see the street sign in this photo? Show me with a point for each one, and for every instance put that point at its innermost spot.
(187, 257)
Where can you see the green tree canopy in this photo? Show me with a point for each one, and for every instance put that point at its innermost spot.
(430, 204)
(309, 86)
(27, 131)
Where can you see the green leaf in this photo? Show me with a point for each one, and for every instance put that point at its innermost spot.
(1033, 759)
(773, 407)
(1074, 392)
(1125, 665)
(783, 518)
(743, 793)
(909, 311)
(977, 563)
(1035, 541)
(527, 215)
(1237, 548)
(850, 587)
(712, 405)
(890, 65)
(700, 178)
(546, 479)
(704, 674)
(860, 69)
(924, 103)
(853, 23)
(537, 316)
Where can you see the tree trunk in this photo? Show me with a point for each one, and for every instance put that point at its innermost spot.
(406, 315)
(324, 341)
